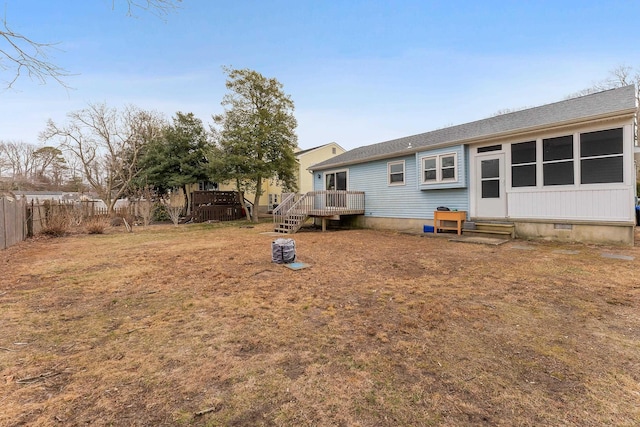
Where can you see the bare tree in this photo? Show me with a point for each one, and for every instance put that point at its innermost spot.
(18, 158)
(174, 205)
(49, 165)
(107, 144)
(144, 204)
(623, 75)
(5, 165)
(21, 55)
(157, 7)
(26, 163)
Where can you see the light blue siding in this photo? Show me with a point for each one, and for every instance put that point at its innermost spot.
(410, 200)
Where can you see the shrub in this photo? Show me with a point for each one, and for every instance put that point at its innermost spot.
(57, 220)
(144, 205)
(174, 206)
(96, 224)
(160, 213)
(145, 210)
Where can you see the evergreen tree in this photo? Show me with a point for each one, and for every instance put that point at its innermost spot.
(256, 135)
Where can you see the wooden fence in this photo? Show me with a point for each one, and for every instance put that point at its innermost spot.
(38, 214)
(216, 206)
(13, 221)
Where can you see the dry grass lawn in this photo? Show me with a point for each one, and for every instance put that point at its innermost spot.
(193, 325)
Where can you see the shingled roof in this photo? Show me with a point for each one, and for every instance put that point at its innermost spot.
(610, 102)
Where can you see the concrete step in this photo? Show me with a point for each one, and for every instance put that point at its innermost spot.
(488, 233)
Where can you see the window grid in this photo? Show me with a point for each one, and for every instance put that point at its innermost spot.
(580, 158)
(395, 171)
(558, 161)
(440, 168)
(601, 157)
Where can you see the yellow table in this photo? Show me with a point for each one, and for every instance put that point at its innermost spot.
(457, 216)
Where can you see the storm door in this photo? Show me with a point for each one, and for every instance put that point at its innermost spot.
(490, 188)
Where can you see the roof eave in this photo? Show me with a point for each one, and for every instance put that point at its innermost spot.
(630, 112)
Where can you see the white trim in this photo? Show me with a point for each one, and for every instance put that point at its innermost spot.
(576, 160)
(335, 171)
(404, 173)
(438, 158)
(571, 160)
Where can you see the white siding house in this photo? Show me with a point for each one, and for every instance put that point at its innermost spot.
(562, 171)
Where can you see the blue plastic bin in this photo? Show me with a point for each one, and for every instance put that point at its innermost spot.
(428, 229)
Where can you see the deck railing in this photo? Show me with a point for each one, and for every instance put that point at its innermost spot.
(321, 203)
(334, 202)
(280, 211)
(217, 213)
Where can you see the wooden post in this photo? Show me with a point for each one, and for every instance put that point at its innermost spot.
(324, 224)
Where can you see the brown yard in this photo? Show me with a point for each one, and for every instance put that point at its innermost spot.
(194, 325)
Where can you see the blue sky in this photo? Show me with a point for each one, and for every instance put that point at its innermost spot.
(359, 72)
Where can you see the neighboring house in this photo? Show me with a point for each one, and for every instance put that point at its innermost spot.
(308, 158)
(41, 196)
(562, 171)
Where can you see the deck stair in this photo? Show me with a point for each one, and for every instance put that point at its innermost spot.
(291, 223)
(291, 214)
(495, 229)
(294, 210)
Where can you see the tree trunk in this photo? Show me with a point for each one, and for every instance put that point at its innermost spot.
(256, 200)
(242, 202)
(186, 200)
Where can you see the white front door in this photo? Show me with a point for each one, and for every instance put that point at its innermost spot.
(491, 200)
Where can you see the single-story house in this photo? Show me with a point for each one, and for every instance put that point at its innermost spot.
(561, 171)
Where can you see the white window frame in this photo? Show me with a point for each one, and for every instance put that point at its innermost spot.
(389, 173)
(535, 163)
(577, 161)
(569, 160)
(580, 157)
(438, 158)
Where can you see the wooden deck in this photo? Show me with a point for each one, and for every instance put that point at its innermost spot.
(329, 204)
(338, 211)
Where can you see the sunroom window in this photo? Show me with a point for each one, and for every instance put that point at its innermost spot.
(523, 164)
(601, 157)
(557, 160)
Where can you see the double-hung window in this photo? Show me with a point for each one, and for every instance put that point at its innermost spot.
(395, 171)
(440, 168)
(557, 160)
(601, 157)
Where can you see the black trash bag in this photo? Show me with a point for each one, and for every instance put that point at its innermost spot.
(283, 251)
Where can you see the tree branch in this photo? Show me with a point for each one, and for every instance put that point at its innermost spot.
(26, 56)
(22, 55)
(157, 7)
